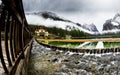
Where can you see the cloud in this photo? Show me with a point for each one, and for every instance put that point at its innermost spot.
(102, 5)
(52, 5)
(71, 5)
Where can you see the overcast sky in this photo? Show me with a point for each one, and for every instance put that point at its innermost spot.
(82, 11)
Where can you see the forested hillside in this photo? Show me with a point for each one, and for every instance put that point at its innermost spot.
(60, 32)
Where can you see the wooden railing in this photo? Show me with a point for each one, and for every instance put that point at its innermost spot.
(80, 50)
(15, 37)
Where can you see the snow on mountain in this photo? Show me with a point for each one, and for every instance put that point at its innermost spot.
(115, 23)
(111, 31)
(51, 19)
(90, 27)
(112, 25)
(116, 18)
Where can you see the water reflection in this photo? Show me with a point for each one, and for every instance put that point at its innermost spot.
(100, 45)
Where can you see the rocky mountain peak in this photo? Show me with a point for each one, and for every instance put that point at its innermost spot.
(116, 18)
(90, 27)
(112, 24)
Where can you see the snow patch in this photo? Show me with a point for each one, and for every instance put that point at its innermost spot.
(117, 18)
(115, 23)
(111, 31)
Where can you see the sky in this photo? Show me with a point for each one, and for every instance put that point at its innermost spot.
(81, 11)
(0, 1)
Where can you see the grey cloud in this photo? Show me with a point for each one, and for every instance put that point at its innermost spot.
(53, 5)
(68, 5)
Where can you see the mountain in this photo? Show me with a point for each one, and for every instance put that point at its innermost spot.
(90, 29)
(53, 16)
(51, 19)
(112, 25)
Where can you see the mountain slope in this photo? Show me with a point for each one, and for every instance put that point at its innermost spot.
(112, 25)
(90, 27)
(51, 19)
(63, 23)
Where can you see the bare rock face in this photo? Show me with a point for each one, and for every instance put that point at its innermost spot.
(90, 27)
(108, 25)
(112, 24)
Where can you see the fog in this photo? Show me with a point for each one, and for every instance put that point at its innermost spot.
(82, 11)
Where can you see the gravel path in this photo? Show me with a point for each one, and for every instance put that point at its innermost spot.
(44, 61)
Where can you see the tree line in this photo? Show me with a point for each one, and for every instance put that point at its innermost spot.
(59, 31)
